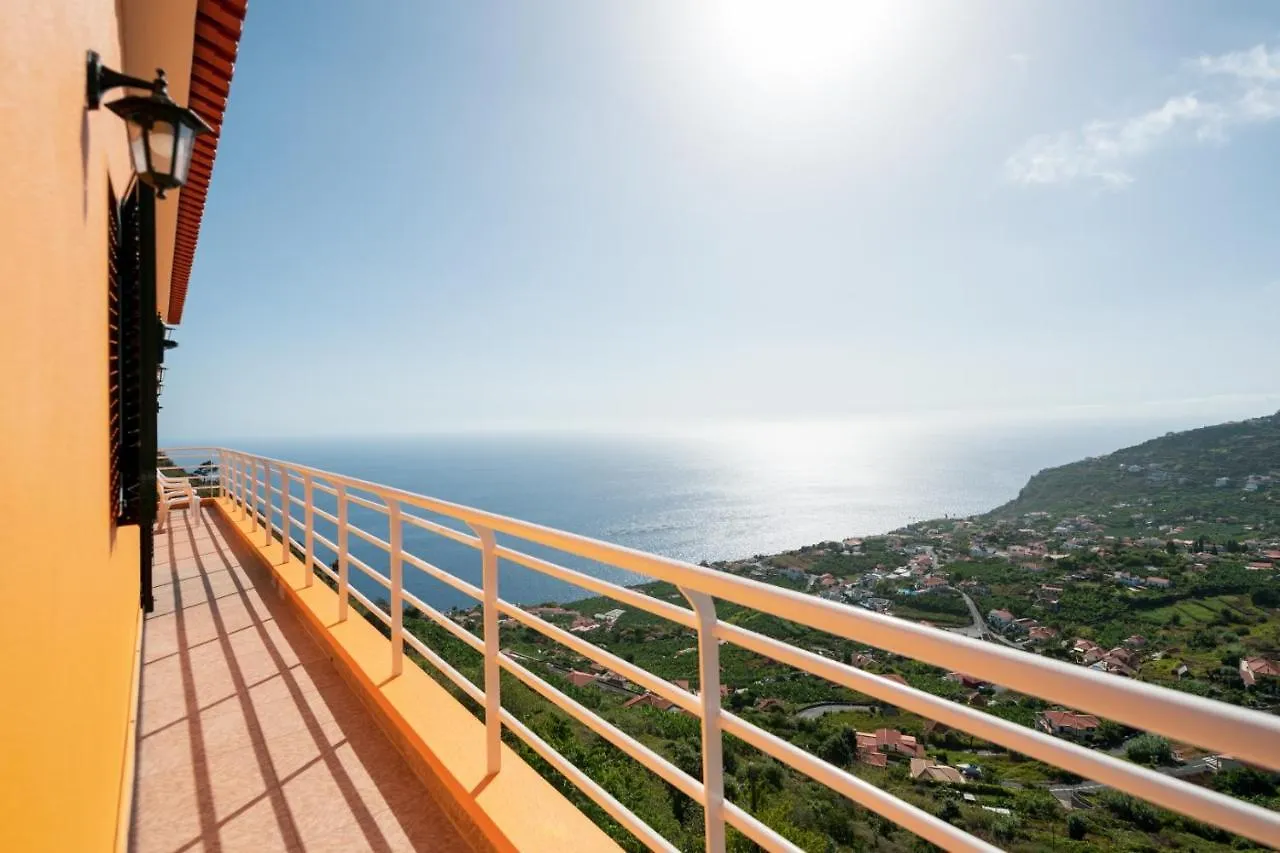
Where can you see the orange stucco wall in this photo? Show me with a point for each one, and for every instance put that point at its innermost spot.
(68, 580)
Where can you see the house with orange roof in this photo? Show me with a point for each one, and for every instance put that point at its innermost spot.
(1068, 723)
(581, 679)
(651, 700)
(923, 768)
(1251, 669)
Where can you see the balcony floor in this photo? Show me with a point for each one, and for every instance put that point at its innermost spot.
(248, 738)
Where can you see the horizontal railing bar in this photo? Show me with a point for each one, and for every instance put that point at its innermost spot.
(445, 622)
(375, 609)
(328, 571)
(461, 681)
(321, 487)
(637, 827)
(858, 790)
(368, 570)
(1203, 804)
(679, 615)
(332, 519)
(683, 698)
(1215, 725)
(444, 577)
(370, 538)
(442, 529)
(297, 500)
(356, 499)
(324, 541)
(623, 741)
(1184, 717)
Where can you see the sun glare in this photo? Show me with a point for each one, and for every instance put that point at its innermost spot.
(806, 49)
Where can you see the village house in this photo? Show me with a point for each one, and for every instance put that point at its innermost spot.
(611, 616)
(1158, 583)
(651, 700)
(872, 758)
(1041, 634)
(581, 679)
(1000, 618)
(1022, 626)
(889, 741)
(1251, 669)
(922, 768)
(1068, 724)
(965, 680)
(1083, 646)
(1049, 595)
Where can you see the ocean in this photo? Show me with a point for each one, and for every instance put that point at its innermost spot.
(698, 494)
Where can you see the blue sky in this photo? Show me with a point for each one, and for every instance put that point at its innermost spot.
(435, 216)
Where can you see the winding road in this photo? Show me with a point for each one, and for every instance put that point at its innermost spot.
(979, 629)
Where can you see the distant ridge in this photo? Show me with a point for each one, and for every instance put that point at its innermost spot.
(1209, 466)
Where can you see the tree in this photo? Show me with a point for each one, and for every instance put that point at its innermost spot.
(761, 777)
(1110, 733)
(1171, 547)
(837, 749)
(1149, 749)
(1265, 596)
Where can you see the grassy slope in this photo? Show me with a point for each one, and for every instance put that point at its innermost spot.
(1192, 460)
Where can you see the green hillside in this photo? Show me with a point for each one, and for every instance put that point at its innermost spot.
(1175, 479)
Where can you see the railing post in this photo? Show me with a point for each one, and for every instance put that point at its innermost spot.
(344, 585)
(241, 497)
(253, 495)
(492, 683)
(709, 694)
(235, 484)
(286, 512)
(266, 500)
(308, 521)
(397, 587)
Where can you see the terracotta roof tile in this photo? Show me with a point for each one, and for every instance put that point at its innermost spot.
(219, 24)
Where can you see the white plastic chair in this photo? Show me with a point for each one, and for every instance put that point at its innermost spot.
(173, 492)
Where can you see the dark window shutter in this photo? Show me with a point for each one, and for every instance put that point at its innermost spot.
(114, 416)
(135, 342)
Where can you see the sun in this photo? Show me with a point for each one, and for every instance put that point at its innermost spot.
(803, 50)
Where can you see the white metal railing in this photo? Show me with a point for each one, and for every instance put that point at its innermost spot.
(249, 481)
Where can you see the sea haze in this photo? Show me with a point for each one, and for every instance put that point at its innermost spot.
(704, 494)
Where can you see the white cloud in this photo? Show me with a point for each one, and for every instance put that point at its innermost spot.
(1254, 64)
(1101, 152)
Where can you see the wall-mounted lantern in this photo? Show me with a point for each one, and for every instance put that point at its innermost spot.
(162, 134)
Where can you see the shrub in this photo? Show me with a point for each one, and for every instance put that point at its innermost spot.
(1077, 827)
(1149, 749)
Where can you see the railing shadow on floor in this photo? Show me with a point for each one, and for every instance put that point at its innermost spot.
(294, 659)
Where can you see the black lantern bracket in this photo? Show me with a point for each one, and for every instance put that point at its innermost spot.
(161, 133)
(100, 79)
